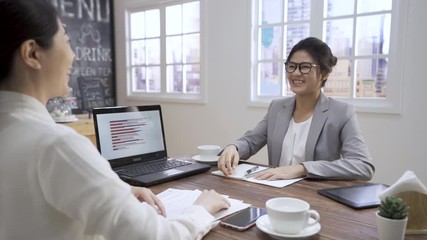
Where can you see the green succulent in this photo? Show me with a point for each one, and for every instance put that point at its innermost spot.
(394, 208)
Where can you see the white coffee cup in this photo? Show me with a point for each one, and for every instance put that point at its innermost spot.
(290, 215)
(208, 152)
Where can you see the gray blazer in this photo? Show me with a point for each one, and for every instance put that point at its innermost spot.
(335, 148)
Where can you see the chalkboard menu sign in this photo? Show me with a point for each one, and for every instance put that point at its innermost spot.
(89, 24)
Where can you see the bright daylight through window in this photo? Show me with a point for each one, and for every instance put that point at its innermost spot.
(358, 32)
(164, 52)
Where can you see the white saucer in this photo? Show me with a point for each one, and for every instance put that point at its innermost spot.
(209, 160)
(263, 223)
(65, 119)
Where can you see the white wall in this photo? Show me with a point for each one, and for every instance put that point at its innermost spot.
(397, 142)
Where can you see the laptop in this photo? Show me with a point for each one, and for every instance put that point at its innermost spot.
(132, 139)
(358, 196)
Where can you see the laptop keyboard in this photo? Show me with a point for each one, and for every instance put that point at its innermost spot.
(144, 169)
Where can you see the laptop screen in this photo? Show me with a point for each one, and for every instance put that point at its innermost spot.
(130, 134)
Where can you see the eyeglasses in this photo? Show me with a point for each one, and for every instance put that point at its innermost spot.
(304, 67)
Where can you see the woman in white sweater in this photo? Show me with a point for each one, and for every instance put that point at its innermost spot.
(53, 182)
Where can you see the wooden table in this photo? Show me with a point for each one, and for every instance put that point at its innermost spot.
(337, 221)
(84, 126)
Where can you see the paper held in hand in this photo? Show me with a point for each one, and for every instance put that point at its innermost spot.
(176, 201)
(247, 172)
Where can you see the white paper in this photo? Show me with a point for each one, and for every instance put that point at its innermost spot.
(274, 183)
(176, 201)
(240, 172)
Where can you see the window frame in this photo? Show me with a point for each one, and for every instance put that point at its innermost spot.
(163, 95)
(391, 104)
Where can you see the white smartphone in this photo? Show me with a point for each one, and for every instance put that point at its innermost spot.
(244, 219)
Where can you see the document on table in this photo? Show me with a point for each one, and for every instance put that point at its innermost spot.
(177, 200)
(246, 172)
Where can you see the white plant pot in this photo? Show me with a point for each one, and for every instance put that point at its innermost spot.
(391, 229)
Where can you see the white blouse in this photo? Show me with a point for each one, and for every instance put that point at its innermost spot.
(54, 184)
(293, 148)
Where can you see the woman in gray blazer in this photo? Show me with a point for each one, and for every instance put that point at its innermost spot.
(308, 134)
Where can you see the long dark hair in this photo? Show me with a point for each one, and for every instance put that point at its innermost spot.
(21, 20)
(319, 51)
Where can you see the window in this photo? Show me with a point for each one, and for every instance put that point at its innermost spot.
(164, 51)
(359, 33)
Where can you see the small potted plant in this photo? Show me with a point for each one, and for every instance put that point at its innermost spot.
(392, 218)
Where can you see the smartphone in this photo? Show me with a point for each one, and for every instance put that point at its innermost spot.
(244, 219)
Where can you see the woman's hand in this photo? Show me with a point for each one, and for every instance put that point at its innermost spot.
(228, 160)
(284, 172)
(146, 195)
(212, 201)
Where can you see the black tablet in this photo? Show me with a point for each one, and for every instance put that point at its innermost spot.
(358, 197)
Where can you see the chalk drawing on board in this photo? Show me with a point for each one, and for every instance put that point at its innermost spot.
(92, 93)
